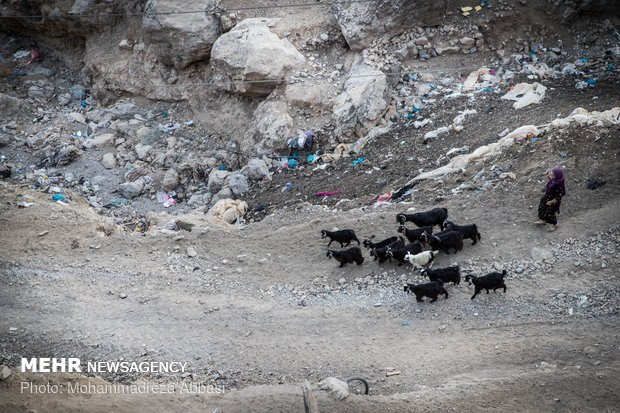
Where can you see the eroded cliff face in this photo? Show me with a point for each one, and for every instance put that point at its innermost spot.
(329, 68)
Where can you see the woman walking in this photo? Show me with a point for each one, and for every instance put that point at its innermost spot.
(550, 202)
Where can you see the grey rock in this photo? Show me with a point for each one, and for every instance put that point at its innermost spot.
(191, 252)
(256, 169)
(5, 372)
(106, 139)
(217, 180)
(250, 51)
(180, 39)
(362, 103)
(142, 150)
(108, 161)
(171, 180)
(238, 184)
(361, 23)
(131, 190)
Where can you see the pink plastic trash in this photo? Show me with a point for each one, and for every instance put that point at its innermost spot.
(34, 54)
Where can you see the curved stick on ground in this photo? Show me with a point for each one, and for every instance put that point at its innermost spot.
(358, 378)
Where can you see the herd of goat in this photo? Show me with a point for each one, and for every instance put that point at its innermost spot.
(449, 238)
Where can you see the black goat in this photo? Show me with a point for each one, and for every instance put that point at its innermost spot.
(422, 219)
(347, 256)
(452, 239)
(430, 290)
(369, 244)
(343, 236)
(491, 281)
(399, 253)
(381, 253)
(468, 231)
(414, 235)
(448, 274)
(425, 237)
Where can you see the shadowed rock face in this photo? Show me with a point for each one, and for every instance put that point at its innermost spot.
(361, 23)
(58, 27)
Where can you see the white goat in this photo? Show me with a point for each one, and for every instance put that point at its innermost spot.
(422, 259)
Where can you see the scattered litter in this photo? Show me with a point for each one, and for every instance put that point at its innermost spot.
(44, 233)
(328, 193)
(226, 211)
(382, 198)
(169, 127)
(405, 323)
(461, 150)
(591, 81)
(421, 123)
(460, 162)
(115, 203)
(392, 373)
(525, 94)
(292, 163)
(358, 161)
(582, 300)
(189, 123)
(34, 54)
(563, 154)
(594, 183)
(25, 204)
(166, 199)
(59, 197)
(287, 187)
(581, 116)
(510, 175)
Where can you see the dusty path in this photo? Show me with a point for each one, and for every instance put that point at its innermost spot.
(277, 312)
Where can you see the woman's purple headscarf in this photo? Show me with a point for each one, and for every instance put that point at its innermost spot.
(558, 179)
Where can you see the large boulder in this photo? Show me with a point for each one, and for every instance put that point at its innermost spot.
(238, 184)
(217, 180)
(271, 127)
(362, 103)
(256, 169)
(180, 39)
(171, 180)
(251, 52)
(363, 22)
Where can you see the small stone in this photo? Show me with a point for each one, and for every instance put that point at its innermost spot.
(342, 280)
(519, 270)
(44, 233)
(108, 161)
(4, 372)
(578, 264)
(191, 252)
(142, 151)
(122, 296)
(603, 265)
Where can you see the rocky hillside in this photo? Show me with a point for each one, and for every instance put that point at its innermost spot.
(163, 95)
